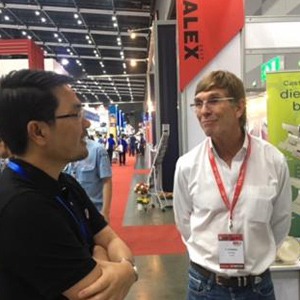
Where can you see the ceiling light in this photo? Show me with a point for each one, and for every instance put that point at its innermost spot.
(114, 18)
(133, 62)
(37, 12)
(24, 32)
(132, 32)
(76, 16)
(56, 35)
(29, 37)
(6, 18)
(87, 37)
(60, 40)
(64, 62)
(79, 22)
(43, 20)
(133, 35)
(115, 25)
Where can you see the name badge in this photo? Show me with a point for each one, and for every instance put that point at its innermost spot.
(231, 251)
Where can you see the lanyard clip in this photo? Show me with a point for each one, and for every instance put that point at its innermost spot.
(230, 224)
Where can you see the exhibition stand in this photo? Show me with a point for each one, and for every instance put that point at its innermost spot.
(286, 279)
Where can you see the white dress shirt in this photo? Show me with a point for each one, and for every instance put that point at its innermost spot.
(262, 214)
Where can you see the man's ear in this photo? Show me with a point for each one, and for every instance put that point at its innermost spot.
(241, 106)
(37, 132)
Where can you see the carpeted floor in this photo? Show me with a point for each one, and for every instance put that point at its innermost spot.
(143, 240)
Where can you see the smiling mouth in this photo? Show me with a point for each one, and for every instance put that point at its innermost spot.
(207, 122)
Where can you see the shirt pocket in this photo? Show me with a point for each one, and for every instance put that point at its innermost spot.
(259, 206)
(88, 172)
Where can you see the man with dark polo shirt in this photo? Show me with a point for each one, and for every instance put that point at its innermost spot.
(54, 243)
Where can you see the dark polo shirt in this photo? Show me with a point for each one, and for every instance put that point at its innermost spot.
(46, 233)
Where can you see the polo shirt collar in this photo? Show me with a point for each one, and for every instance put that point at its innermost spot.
(41, 180)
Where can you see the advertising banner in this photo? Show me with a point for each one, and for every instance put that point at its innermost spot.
(113, 115)
(283, 115)
(204, 28)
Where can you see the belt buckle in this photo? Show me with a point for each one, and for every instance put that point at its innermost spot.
(242, 281)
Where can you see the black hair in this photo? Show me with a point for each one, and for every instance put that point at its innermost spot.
(26, 95)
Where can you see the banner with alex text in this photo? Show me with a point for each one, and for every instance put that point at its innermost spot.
(204, 28)
(283, 116)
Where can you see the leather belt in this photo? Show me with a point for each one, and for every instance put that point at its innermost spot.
(241, 281)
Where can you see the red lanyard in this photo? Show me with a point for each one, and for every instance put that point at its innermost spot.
(239, 184)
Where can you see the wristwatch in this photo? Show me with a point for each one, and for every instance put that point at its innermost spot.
(134, 267)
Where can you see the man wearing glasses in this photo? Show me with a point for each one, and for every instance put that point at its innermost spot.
(54, 243)
(232, 198)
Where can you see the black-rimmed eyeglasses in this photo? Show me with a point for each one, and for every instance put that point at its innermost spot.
(210, 103)
(78, 115)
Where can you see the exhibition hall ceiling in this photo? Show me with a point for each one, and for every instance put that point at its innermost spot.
(93, 38)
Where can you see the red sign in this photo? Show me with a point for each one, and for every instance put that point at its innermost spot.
(204, 28)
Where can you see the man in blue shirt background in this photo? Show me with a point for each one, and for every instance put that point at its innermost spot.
(94, 174)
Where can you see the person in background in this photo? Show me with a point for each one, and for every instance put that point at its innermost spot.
(4, 155)
(94, 174)
(142, 145)
(111, 145)
(100, 138)
(123, 150)
(57, 245)
(132, 145)
(232, 198)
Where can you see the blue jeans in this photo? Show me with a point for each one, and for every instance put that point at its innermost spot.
(202, 288)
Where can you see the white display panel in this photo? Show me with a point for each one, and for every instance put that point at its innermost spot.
(50, 64)
(272, 35)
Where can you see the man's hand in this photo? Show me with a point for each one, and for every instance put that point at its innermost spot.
(114, 284)
(100, 254)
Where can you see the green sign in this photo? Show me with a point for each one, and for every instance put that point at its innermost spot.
(283, 107)
(271, 65)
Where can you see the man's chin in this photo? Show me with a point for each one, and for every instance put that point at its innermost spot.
(207, 131)
(81, 156)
